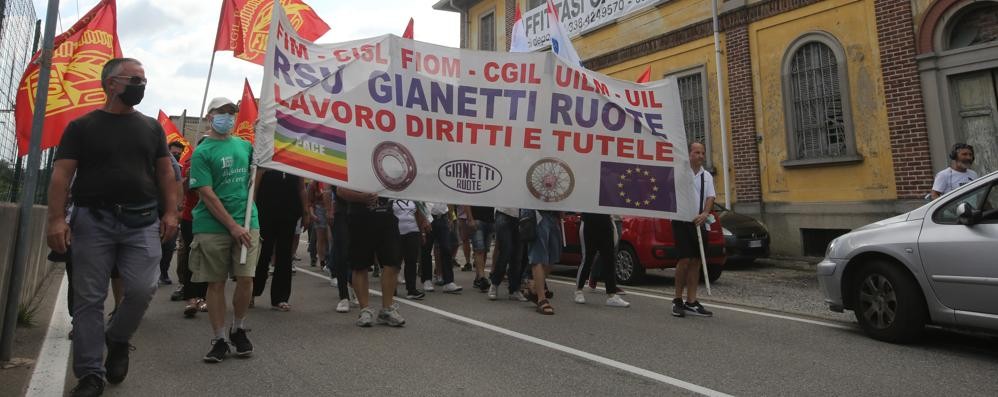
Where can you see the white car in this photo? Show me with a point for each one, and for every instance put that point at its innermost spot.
(937, 264)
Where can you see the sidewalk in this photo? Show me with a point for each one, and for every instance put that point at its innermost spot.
(28, 341)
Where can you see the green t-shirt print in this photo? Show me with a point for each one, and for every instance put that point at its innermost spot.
(224, 165)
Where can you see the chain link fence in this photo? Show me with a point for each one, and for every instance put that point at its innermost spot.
(19, 32)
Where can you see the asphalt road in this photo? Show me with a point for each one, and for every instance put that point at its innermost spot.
(458, 345)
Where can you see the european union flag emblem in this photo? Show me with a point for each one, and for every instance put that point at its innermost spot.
(554, 45)
(645, 187)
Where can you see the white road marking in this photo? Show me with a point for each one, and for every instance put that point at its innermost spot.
(49, 376)
(555, 346)
(732, 308)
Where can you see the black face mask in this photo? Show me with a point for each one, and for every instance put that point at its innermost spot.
(177, 156)
(133, 94)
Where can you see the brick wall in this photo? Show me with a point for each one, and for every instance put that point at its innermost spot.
(903, 97)
(748, 187)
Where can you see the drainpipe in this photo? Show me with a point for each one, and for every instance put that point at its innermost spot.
(464, 23)
(721, 108)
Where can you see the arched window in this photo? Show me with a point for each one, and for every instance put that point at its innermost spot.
(819, 128)
(975, 24)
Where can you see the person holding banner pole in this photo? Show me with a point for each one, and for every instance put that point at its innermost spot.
(690, 241)
(374, 232)
(226, 229)
(543, 251)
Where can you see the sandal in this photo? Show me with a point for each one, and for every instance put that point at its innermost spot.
(531, 296)
(202, 305)
(190, 310)
(283, 306)
(544, 307)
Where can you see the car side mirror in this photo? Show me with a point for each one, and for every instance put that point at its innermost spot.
(967, 215)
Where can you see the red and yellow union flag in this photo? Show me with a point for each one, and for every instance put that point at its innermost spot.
(173, 135)
(74, 87)
(244, 25)
(246, 118)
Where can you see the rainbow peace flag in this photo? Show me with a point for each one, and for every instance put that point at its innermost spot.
(311, 147)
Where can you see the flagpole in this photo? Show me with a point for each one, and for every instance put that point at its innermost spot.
(204, 99)
(720, 107)
(30, 185)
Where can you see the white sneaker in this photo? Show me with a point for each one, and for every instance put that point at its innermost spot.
(333, 283)
(493, 294)
(617, 301)
(579, 297)
(428, 286)
(366, 317)
(391, 317)
(401, 280)
(518, 296)
(343, 306)
(452, 288)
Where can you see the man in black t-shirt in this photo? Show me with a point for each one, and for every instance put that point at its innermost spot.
(373, 230)
(123, 171)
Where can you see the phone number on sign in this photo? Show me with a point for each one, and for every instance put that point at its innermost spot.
(597, 15)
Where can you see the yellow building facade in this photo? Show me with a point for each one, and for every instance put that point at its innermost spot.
(837, 113)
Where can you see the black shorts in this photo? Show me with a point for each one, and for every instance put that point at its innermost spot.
(685, 236)
(374, 234)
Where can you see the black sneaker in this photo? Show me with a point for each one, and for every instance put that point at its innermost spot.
(219, 349)
(177, 294)
(696, 309)
(89, 386)
(116, 363)
(484, 284)
(678, 308)
(416, 295)
(243, 346)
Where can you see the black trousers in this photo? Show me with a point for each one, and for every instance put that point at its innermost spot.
(597, 238)
(338, 259)
(441, 237)
(277, 235)
(411, 250)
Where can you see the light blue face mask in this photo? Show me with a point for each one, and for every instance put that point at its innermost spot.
(223, 123)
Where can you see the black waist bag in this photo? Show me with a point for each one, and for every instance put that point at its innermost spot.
(136, 215)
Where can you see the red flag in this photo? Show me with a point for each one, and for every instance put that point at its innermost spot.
(645, 77)
(243, 26)
(173, 135)
(75, 86)
(246, 117)
(408, 31)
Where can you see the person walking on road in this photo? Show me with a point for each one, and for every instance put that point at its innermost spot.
(220, 173)
(374, 232)
(598, 240)
(543, 251)
(439, 236)
(123, 172)
(280, 198)
(687, 244)
(509, 253)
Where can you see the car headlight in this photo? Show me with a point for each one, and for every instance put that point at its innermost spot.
(831, 246)
(726, 232)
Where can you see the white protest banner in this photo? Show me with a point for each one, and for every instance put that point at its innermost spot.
(578, 17)
(412, 120)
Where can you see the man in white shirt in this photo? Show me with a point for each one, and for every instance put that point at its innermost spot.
(685, 235)
(958, 173)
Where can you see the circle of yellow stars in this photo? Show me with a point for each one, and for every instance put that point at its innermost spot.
(637, 202)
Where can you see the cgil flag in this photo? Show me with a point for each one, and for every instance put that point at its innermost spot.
(248, 112)
(243, 26)
(173, 135)
(408, 34)
(518, 38)
(561, 45)
(75, 88)
(636, 186)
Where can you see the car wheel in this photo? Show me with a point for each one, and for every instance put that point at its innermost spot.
(629, 270)
(889, 306)
(714, 272)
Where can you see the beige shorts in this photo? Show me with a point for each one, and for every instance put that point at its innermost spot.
(214, 256)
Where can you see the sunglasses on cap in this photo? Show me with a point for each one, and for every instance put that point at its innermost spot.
(132, 80)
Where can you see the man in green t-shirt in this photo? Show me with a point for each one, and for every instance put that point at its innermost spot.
(220, 173)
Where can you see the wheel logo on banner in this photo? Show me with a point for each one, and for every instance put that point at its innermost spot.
(394, 166)
(550, 180)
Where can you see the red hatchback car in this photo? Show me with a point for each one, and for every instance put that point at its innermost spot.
(645, 243)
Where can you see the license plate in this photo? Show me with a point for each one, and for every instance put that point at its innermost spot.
(755, 244)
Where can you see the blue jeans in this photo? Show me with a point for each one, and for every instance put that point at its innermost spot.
(546, 247)
(508, 259)
(482, 239)
(102, 243)
(440, 236)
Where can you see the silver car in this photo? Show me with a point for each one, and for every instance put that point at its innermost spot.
(935, 265)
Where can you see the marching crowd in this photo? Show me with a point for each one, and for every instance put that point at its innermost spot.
(118, 197)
